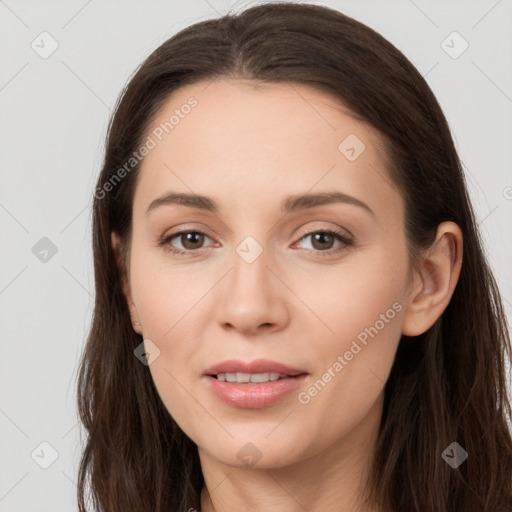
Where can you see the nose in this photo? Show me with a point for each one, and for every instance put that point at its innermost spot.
(253, 297)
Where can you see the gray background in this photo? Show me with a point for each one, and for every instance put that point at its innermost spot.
(53, 118)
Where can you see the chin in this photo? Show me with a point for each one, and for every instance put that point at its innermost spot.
(260, 453)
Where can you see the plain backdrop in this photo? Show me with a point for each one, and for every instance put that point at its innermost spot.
(54, 111)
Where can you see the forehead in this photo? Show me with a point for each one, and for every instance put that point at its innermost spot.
(245, 139)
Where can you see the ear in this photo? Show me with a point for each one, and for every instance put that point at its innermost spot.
(434, 285)
(125, 282)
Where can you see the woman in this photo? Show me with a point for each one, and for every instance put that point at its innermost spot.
(293, 307)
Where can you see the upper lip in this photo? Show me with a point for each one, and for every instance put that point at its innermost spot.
(256, 366)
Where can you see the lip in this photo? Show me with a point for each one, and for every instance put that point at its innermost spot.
(256, 366)
(253, 395)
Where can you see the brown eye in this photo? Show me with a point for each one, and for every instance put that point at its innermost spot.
(192, 239)
(322, 240)
(188, 242)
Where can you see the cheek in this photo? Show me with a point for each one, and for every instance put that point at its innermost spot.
(165, 292)
(364, 289)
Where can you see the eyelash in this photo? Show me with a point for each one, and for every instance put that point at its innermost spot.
(346, 242)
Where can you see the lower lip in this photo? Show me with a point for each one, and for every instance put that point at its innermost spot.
(253, 395)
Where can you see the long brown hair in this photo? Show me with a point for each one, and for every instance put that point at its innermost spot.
(446, 385)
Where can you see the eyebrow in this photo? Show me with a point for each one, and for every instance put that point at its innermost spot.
(289, 204)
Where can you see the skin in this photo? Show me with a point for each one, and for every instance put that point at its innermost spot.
(248, 148)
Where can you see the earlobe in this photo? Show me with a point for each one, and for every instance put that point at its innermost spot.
(436, 281)
(116, 247)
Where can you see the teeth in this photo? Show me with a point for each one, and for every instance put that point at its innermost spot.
(241, 378)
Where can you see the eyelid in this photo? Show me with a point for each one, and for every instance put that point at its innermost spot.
(178, 229)
(322, 227)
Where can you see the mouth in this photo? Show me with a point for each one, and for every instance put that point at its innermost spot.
(251, 378)
(253, 385)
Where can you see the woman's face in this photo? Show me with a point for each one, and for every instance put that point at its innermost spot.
(263, 278)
